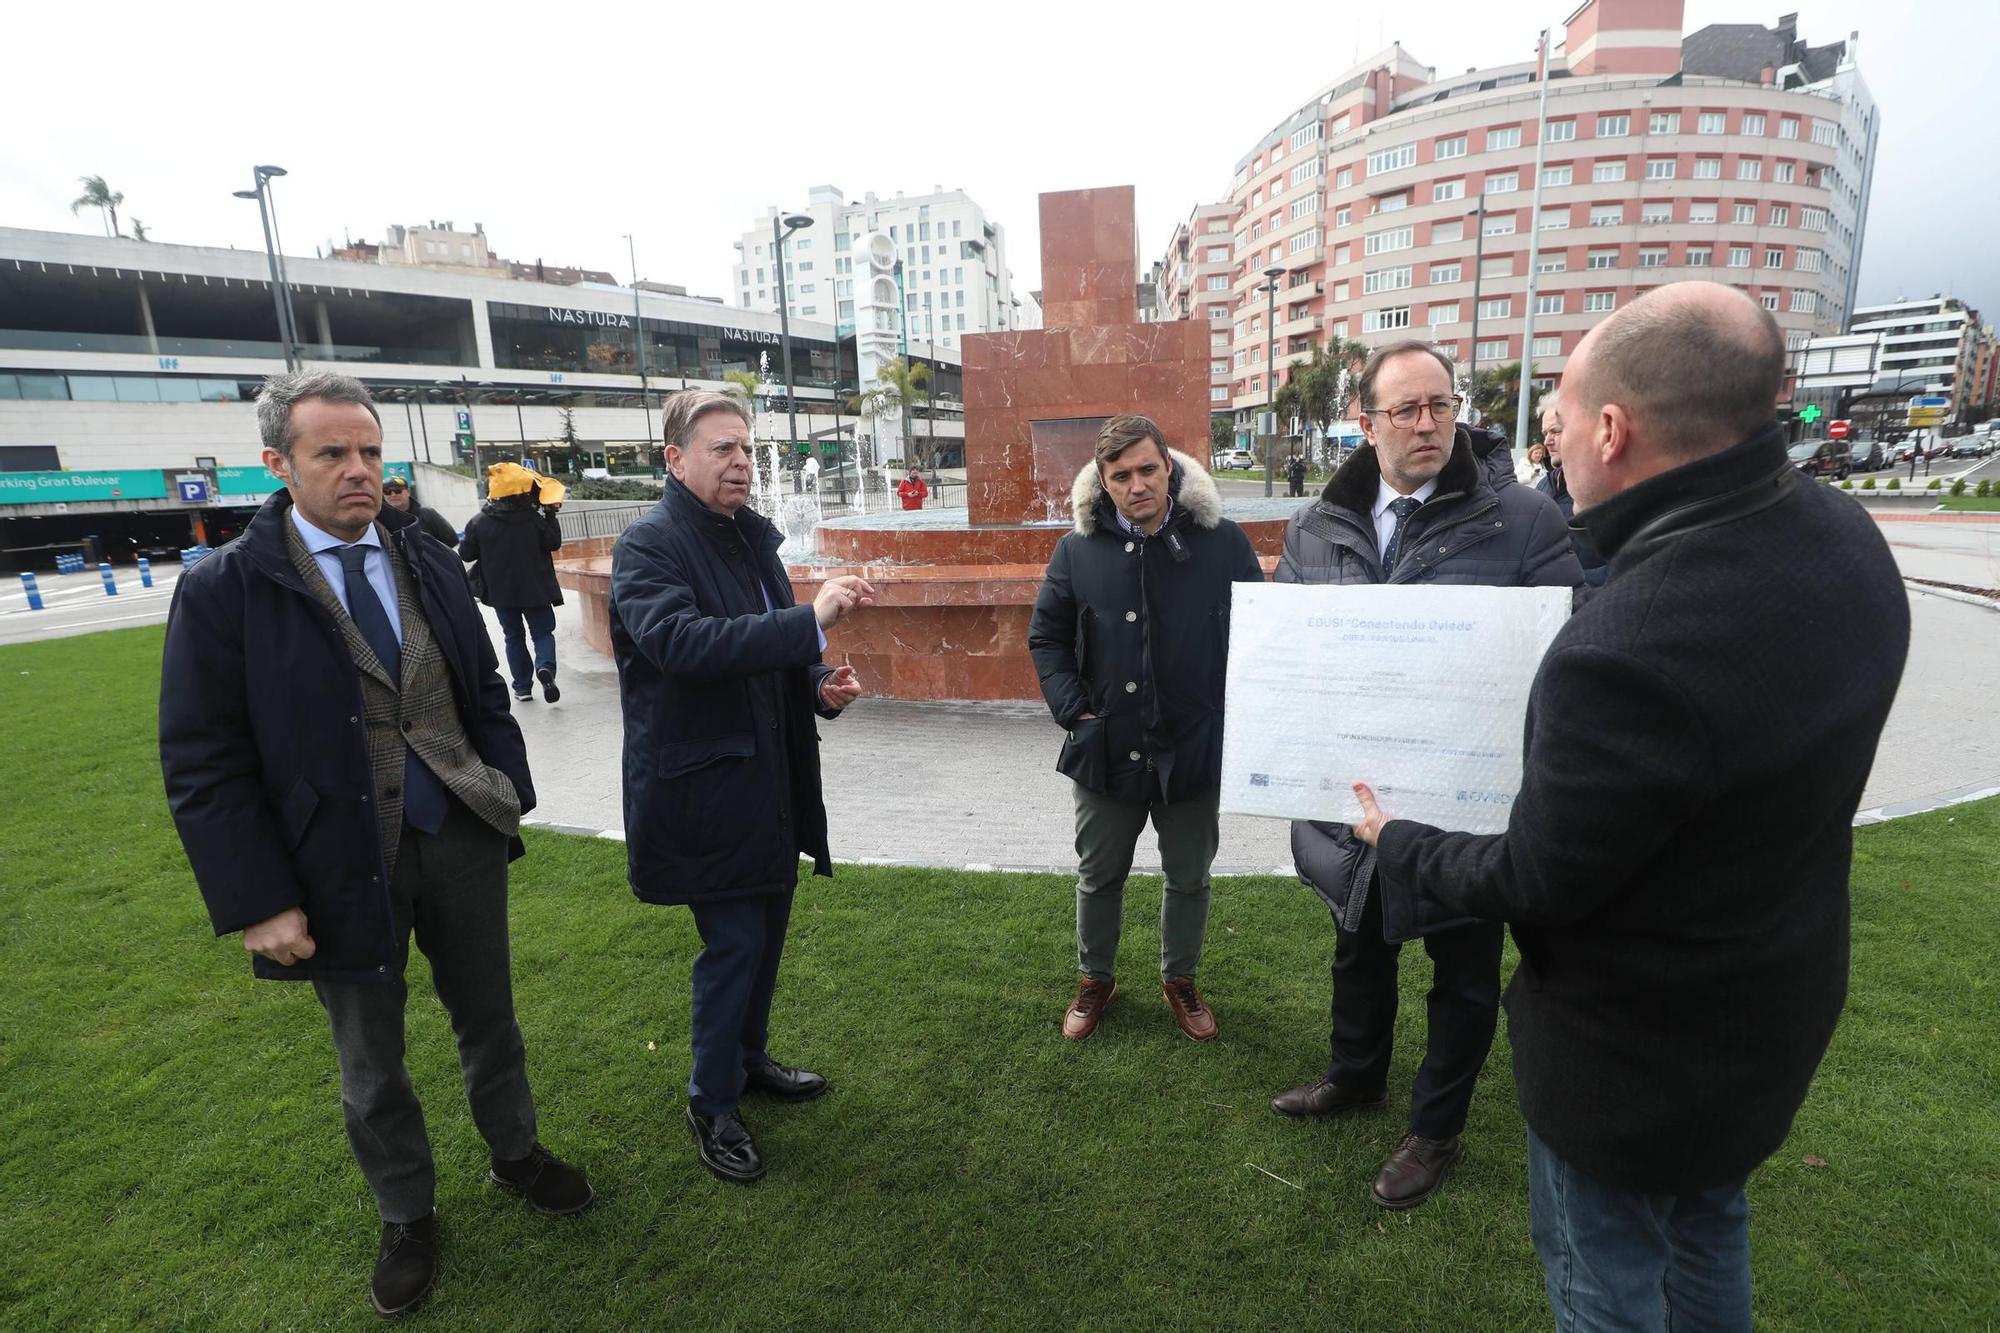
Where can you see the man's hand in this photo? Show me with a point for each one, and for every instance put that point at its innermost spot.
(837, 596)
(281, 938)
(1369, 828)
(840, 689)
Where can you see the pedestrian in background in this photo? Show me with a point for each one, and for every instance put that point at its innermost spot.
(510, 543)
(399, 494)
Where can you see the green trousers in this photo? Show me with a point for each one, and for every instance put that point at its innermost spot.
(1107, 831)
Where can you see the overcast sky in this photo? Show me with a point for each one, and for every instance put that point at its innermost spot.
(563, 127)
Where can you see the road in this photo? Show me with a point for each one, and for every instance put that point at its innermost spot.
(75, 604)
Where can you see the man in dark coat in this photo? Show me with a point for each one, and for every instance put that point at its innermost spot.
(1416, 505)
(342, 770)
(397, 494)
(1130, 637)
(1554, 484)
(1295, 474)
(1676, 864)
(720, 677)
(510, 544)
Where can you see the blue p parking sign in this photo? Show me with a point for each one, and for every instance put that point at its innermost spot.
(193, 490)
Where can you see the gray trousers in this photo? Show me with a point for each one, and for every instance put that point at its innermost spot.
(451, 889)
(1107, 831)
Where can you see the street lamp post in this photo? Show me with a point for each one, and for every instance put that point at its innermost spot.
(265, 173)
(1478, 216)
(790, 222)
(1272, 275)
(287, 338)
(639, 332)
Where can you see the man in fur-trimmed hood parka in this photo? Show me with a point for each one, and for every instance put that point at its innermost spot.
(1130, 638)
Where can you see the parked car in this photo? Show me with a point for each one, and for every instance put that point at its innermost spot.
(1970, 446)
(1820, 458)
(1239, 458)
(1867, 456)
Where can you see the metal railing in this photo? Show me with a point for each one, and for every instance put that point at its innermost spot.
(580, 525)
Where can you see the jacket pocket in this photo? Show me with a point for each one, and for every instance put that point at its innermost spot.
(297, 811)
(1084, 759)
(683, 757)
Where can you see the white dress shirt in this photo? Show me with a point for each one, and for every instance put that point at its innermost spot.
(1385, 522)
(325, 550)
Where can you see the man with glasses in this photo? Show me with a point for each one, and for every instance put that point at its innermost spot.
(1415, 505)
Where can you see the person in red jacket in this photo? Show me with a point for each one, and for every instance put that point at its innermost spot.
(912, 490)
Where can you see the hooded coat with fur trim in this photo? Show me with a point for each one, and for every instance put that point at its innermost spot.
(1134, 632)
(1468, 532)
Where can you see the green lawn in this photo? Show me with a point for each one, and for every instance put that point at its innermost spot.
(1973, 503)
(172, 1154)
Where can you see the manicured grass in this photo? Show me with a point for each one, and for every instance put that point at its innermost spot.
(172, 1153)
(1973, 503)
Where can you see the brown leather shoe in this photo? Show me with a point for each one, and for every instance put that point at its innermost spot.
(1324, 1097)
(1189, 1009)
(1415, 1171)
(1092, 998)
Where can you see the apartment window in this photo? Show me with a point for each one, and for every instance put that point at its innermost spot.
(1340, 291)
(1549, 305)
(1811, 261)
(1709, 122)
(1659, 168)
(1218, 314)
(1664, 122)
(1701, 212)
(1305, 207)
(1601, 259)
(1562, 175)
(1218, 254)
(806, 288)
(1501, 267)
(1749, 169)
(1547, 347)
(1708, 168)
(1385, 280)
(1823, 133)
(1345, 180)
(1305, 240)
(1788, 127)
(1444, 314)
(1444, 190)
(1444, 233)
(1599, 302)
(1447, 148)
(1301, 278)
(1781, 215)
(1613, 127)
(1502, 225)
(1218, 341)
(1499, 139)
(1812, 219)
(1341, 254)
(1278, 251)
(1653, 257)
(1743, 214)
(1499, 308)
(1218, 393)
(1257, 230)
(1379, 321)
(1769, 300)
(1739, 256)
(1698, 257)
(1774, 257)
(1492, 351)
(1554, 219)
(1604, 172)
(1753, 123)
(1503, 182)
(1343, 217)
(1214, 282)
(1442, 273)
(1392, 203)
(1392, 159)
(1805, 301)
(1559, 131)
(1395, 238)
(1304, 135)
(1655, 215)
(1257, 198)
(1606, 215)
(1305, 171)
(1784, 173)
(1555, 263)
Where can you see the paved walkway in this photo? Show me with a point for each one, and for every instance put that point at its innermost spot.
(974, 785)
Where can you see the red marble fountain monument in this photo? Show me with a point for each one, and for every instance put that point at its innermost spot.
(955, 588)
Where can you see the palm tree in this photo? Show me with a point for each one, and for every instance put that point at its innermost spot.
(1497, 395)
(96, 194)
(139, 231)
(746, 380)
(898, 385)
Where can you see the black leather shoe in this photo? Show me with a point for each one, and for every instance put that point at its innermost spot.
(1415, 1171)
(725, 1147)
(405, 1266)
(546, 1181)
(1324, 1097)
(786, 1084)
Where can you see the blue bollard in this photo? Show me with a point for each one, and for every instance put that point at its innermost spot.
(110, 584)
(145, 572)
(34, 593)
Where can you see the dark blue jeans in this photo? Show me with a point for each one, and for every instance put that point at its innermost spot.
(1615, 1258)
(735, 974)
(540, 622)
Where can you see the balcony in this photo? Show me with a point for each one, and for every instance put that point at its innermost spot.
(1304, 324)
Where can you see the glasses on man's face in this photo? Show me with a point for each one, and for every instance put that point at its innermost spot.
(1444, 411)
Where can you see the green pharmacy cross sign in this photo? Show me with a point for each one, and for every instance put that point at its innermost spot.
(1810, 413)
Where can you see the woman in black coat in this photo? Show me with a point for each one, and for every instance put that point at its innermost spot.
(510, 543)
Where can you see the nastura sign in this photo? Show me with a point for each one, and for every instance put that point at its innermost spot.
(564, 315)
